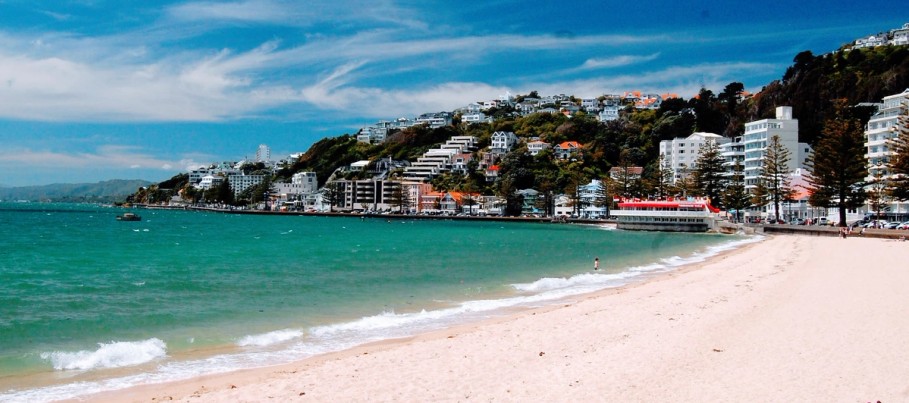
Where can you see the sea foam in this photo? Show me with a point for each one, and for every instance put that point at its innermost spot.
(267, 339)
(108, 355)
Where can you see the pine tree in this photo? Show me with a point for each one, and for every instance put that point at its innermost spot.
(836, 166)
(398, 197)
(333, 193)
(708, 175)
(735, 196)
(773, 180)
(603, 196)
(223, 193)
(663, 181)
(899, 161)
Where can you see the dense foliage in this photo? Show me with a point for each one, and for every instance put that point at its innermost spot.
(837, 164)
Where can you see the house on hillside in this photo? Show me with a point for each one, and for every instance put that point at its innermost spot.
(503, 142)
(566, 149)
(492, 173)
(534, 147)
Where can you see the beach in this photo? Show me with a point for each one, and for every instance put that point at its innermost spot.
(791, 318)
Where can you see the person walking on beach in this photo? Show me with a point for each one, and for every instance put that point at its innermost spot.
(596, 263)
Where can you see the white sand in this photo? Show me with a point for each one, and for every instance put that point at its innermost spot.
(793, 318)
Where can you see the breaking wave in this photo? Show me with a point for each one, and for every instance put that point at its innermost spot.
(108, 355)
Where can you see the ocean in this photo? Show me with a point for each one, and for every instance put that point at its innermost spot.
(90, 304)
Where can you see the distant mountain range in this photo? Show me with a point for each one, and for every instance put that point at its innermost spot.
(100, 192)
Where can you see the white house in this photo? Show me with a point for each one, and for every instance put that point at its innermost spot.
(900, 36)
(477, 117)
(609, 112)
(534, 147)
(502, 142)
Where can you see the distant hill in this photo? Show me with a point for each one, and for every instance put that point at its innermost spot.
(103, 192)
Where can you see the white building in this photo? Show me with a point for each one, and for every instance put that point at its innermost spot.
(732, 152)
(435, 120)
(503, 142)
(209, 181)
(609, 112)
(308, 180)
(439, 160)
(477, 117)
(758, 135)
(222, 169)
(900, 36)
(681, 154)
(534, 147)
(882, 127)
(263, 153)
(239, 182)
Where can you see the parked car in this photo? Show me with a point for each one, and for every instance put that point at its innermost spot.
(875, 224)
(903, 225)
(891, 225)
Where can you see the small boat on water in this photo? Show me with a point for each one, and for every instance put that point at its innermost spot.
(129, 217)
(681, 215)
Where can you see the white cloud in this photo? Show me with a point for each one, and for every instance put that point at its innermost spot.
(292, 13)
(249, 10)
(104, 157)
(617, 61)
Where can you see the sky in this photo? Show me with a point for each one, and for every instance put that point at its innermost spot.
(93, 90)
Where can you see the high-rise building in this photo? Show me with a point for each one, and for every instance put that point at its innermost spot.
(882, 127)
(758, 135)
(681, 154)
(263, 153)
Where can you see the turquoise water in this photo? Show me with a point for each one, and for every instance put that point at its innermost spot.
(88, 303)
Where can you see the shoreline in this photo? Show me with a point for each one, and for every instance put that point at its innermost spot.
(197, 387)
(791, 317)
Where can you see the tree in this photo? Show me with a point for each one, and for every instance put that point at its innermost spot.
(663, 181)
(469, 200)
(223, 193)
(899, 161)
(603, 196)
(735, 196)
(333, 193)
(708, 175)
(625, 180)
(836, 165)
(877, 193)
(773, 179)
(399, 197)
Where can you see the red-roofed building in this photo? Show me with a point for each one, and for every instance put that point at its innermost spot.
(492, 172)
(567, 148)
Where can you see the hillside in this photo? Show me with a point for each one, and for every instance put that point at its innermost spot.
(810, 86)
(101, 192)
(812, 83)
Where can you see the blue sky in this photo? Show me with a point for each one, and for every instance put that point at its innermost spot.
(93, 90)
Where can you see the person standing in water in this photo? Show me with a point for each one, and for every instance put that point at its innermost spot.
(596, 263)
